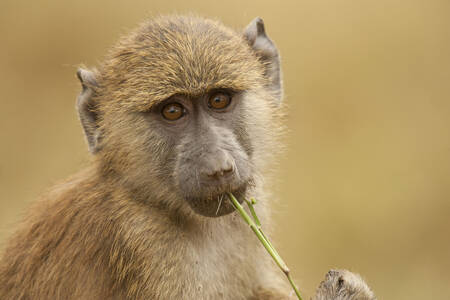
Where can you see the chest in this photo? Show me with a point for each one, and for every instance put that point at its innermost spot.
(214, 265)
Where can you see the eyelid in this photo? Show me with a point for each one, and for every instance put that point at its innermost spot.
(171, 100)
(228, 91)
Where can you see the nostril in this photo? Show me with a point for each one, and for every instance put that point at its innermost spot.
(221, 172)
(213, 174)
(228, 170)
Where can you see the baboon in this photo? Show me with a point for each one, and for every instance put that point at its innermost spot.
(182, 111)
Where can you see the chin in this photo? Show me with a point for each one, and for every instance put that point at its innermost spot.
(216, 205)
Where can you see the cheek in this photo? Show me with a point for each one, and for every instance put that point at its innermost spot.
(154, 157)
(256, 127)
(240, 131)
(245, 121)
(151, 165)
(138, 152)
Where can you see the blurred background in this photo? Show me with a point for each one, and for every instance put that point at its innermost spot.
(365, 181)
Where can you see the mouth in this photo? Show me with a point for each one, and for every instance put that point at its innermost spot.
(217, 204)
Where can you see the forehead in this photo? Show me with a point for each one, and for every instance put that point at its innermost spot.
(178, 55)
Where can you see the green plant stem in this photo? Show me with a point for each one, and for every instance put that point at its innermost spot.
(250, 204)
(252, 211)
(255, 225)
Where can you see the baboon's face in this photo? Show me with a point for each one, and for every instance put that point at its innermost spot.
(210, 151)
(185, 108)
(195, 147)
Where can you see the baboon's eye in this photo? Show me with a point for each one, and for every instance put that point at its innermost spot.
(173, 111)
(219, 100)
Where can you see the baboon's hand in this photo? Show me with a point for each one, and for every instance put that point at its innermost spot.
(343, 285)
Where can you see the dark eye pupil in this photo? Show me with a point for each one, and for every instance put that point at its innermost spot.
(173, 109)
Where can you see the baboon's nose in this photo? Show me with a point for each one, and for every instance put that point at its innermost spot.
(218, 167)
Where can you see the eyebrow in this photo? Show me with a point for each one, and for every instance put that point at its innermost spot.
(192, 94)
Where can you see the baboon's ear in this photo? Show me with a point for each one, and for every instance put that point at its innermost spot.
(87, 110)
(265, 49)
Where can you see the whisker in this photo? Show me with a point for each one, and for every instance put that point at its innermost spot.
(236, 170)
(220, 203)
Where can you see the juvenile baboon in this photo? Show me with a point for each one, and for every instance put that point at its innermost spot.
(181, 111)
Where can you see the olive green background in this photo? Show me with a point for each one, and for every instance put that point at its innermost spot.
(364, 182)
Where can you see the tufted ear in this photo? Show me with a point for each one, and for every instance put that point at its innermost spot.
(267, 52)
(86, 109)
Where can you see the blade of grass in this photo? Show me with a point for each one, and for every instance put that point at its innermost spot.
(258, 233)
(252, 211)
(250, 204)
(253, 223)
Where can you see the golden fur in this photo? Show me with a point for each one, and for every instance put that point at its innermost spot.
(117, 230)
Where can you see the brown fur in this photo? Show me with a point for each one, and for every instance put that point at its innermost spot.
(120, 229)
(89, 242)
(117, 230)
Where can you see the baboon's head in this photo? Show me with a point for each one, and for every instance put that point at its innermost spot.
(184, 110)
